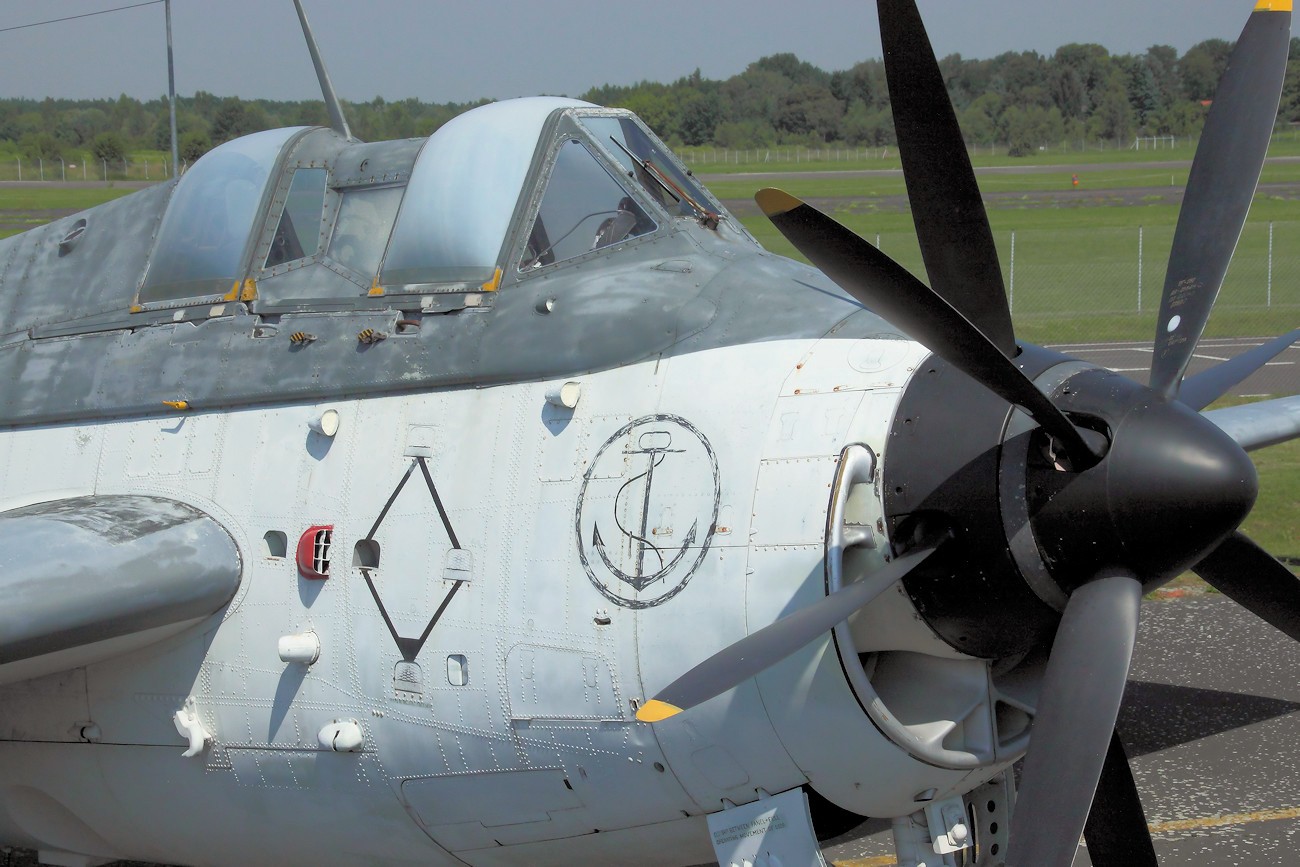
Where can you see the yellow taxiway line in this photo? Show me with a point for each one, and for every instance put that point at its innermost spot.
(1222, 821)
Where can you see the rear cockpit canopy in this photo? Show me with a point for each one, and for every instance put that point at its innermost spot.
(204, 232)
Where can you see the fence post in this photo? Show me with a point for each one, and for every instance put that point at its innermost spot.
(1139, 269)
(1011, 301)
(40, 162)
(1270, 264)
(105, 162)
(20, 168)
(63, 168)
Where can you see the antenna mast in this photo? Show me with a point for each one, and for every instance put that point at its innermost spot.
(337, 121)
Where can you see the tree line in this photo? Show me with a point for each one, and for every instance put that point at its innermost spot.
(51, 128)
(1022, 100)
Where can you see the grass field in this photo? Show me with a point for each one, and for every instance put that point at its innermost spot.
(890, 183)
(57, 197)
(26, 207)
(1077, 274)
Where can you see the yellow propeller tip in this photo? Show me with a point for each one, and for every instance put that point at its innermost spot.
(655, 710)
(774, 202)
(1273, 6)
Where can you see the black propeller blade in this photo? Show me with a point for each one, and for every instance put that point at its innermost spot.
(884, 286)
(1255, 580)
(760, 650)
(1117, 830)
(951, 223)
(1077, 707)
(1222, 183)
(1204, 388)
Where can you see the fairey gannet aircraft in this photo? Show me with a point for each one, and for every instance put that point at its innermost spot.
(495, 499)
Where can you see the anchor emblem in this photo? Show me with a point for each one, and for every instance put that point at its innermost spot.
(664, 452)
(656, 454)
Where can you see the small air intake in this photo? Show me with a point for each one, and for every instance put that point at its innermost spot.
(314, 552)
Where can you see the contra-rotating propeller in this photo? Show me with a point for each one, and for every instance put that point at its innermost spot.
(1161, 490)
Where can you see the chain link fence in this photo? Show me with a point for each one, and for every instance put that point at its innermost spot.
(710, 158)
(1098, 284)
(85, 168)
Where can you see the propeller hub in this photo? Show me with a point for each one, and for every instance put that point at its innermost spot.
(1171, 488)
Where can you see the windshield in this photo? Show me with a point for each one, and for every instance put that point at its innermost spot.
(584, 208)
(652, 165)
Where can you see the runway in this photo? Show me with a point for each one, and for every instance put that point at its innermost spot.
(1279, 378)
(1211, 719)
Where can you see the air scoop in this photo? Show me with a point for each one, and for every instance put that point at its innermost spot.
(1171, 488)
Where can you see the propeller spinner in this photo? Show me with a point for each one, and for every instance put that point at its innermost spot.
(1124, 486)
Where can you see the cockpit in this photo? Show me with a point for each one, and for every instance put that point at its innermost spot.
(497, 195)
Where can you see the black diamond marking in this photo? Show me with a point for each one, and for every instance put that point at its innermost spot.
(437, 501)
(417, 643)
(410, 647)
(383, 513)
(383, 612)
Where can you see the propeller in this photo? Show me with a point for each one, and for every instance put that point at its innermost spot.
(1073, 746)
(1255, 580)
(760, 650)
(1222, 183)
(1117, 825)
(881, 284)
(1078, 704)
(951, 224)
(1204, 388)
(1162, 490)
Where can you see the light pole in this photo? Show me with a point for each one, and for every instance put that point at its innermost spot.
(171, 89)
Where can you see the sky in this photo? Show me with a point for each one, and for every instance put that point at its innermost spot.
(441, 51)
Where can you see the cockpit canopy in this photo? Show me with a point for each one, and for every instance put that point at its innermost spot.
(502, 191)
(200, 245)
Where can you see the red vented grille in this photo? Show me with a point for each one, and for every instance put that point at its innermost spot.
(314, 552)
